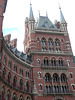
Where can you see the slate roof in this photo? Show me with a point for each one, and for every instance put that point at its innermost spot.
(19, 54)
(61, 16)
(44, 22)
(31, 12)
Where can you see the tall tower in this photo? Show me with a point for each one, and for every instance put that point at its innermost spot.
(29, 42)
(52, 57)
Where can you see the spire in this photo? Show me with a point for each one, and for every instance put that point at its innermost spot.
(31, 12)
(61, 16)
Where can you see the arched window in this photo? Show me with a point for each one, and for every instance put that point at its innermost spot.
(15, 68)
(53, 62)
(14, 81)
(9, 64)
(39, 75)
(71, 75)
(27, 86)
(46, 61)
(47, 77)
(9, 77)
(55, 77)
(14, 96)
(60, 62)
(46, 89)
(63, 78)
(28, 98)
(43, 42)
(5, 60)
(8, 95)
(21, 84)
(57, 42)
(64, 89)
(4, 73)
(27, 74)
(50, 42)
(3, 93)
(38, 61)
(40, 87)
(21, 97)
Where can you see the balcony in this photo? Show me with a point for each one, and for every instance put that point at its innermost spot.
(50, 65)
(58, 93)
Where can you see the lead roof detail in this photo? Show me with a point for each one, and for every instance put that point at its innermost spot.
(44, 22)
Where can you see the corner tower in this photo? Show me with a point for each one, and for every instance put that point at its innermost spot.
(29, 32)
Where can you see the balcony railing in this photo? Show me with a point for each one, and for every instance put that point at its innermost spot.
(58, 93)
(54, 65)
(16, 87)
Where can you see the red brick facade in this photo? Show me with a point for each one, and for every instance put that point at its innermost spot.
(46, 70)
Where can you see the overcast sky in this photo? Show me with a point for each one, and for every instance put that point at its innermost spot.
(18, 10)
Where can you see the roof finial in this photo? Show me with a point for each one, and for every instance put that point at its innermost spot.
(30, 2)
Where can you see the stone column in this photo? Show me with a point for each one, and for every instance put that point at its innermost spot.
(52, 86)
(68, 85)
(60, 84)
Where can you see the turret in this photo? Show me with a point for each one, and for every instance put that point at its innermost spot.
(29, 31)
(63, 23)
(31, 20)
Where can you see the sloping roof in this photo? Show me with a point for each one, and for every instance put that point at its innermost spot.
(44, 22)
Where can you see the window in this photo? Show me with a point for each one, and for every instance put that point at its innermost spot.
(50, 49)
(38, 61)
(27, 86)
(63, 78)
(27, 74)
(73, 87)
(40, 87)
(45, 62)
(9, 64)
(71, 75)
(21, 84)
(21, 71)
(47, 77)
(15, 68)
(55, 77)
(39, 75)
(4, 60)
(68, 62)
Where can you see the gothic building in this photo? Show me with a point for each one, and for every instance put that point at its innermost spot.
(46, 69)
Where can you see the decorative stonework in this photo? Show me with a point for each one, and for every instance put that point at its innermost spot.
(59, 98)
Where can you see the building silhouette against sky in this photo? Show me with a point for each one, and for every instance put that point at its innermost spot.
(46, 69)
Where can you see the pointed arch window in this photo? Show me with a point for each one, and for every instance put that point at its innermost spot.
(43, 42)
(50, 42)
(21, 84)
(63, 78)
(14, 81)
(47, 77)
(57, 42)
(27, 86)
(9, 77)
(40, 87)
(55, 77)
(46, 61)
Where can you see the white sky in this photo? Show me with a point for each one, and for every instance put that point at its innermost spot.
(18, 10)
